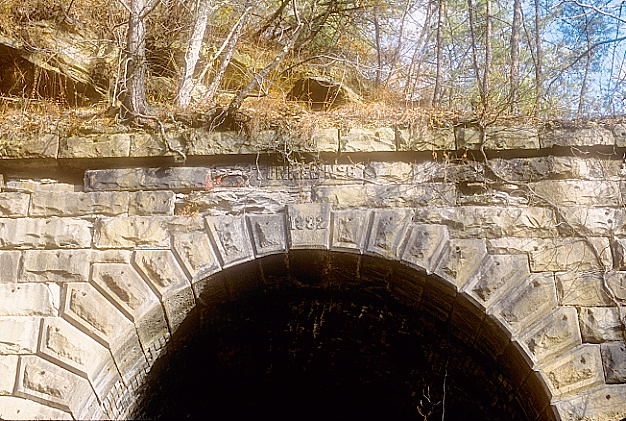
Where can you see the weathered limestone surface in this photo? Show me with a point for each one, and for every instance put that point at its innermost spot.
(14, 204)
(592, 136)
(28, 300)
(600, 324)
(614, 358)
(18, 335)
(45, 233)
(522, 250)
(367, 140)
(423, 139)
(55, 266)
(77, 203)
(14, 408)
(96, 146)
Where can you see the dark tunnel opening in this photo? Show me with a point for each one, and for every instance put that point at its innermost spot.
(295, 351)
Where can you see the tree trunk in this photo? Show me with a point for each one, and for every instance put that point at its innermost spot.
(379, 59)
(470, 11)
(133, 95)
(192, 55)
(418, 54)
(538, 59)
(229, 50)
(515, 40)
(398, 49)
(439, 53)
(583, 89)
(260, 77)
(487, 71)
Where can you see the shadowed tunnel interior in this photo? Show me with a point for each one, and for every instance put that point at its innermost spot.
(275, 339)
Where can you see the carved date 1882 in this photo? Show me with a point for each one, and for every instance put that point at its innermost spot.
(307, 223)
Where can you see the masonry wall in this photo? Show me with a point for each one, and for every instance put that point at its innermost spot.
(77, 213)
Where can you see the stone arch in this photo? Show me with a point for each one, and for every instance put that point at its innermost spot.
(92, 359)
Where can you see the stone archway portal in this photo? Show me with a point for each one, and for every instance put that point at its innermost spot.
(132, 291)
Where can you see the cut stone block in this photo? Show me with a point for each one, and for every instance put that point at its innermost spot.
(131, 231)
(56, 266)
(78, 203)
(27, 300)
(308, 226)
(45, 233)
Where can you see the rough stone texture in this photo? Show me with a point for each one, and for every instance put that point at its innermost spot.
(325, 140)
(162, 271)
(196, 253)
(8, 368)
(123, 286)
(79, 353)
(425, 246)
(614, 360)
(555, 333)
(461, 259)
(385, 196)
(393, 172)
(48, 233)
(92, 313)
(591, 136)
(349, 230)
(496, 276)
(14, 204)
(558, 167)
(581, 289)
(9, 262)
(593, 221)
(205, 142)
(491, 221)
(367, 140)
(46, 184)
(101, 287)
(78, 203)
(43, 145)
(289, 175)
(242, 201)
(605, 403)
(501, 138)
(388, 230)
(152, 144)
(529, 302)
(96, 146)
(557, 254)
(14, 408)
(468, 137)
(132, 231)
(616, 281)
(497, 138)
(88, 310)
(308, 226)
(268, 234)
(420, 138)
(27, 300)
(43, 380)
(152, 203)
(230, 234)
(582, 368)
(18, 335)
(55, 266)
(174, 178)
(600, 324)
(579, 192)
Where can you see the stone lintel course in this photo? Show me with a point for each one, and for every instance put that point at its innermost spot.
(199, 142)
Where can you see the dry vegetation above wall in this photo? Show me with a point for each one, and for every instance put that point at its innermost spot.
(24, 122)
